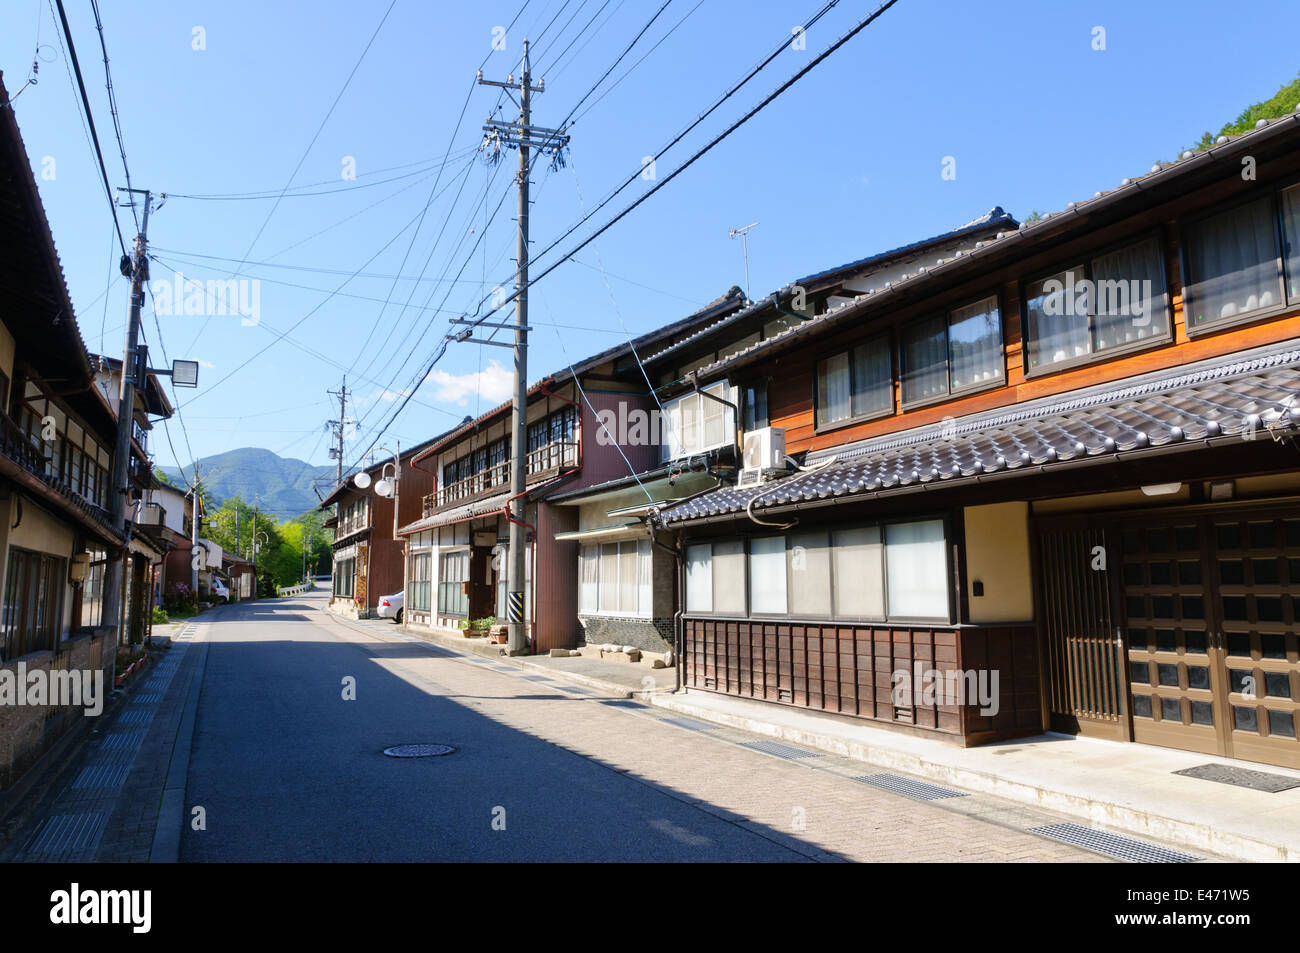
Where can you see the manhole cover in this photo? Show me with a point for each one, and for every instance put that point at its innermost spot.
(418, 751)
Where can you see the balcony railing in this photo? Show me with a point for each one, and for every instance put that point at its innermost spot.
(553, 456)
(18, 447)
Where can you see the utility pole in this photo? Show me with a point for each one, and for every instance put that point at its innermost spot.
(340, 425)
(131, 366)
(194, 536)
(526, 137)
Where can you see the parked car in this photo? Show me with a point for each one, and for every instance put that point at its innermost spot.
(219, 592)
(390, 607)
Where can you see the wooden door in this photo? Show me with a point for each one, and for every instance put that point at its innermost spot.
(1082, 648)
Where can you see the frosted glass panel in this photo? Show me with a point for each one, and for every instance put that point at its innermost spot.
(859, 574)
(589, 578)
(767, 575)
(916, 570)
(699, 578)
(810, 575)
(645, 579)
(729, 578)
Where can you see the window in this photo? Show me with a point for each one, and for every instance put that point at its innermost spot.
(421, 581)
(753, 406)
(453, 573)
(615, 579)
(856, 384)
(33, 603)
(1113, 301)
(767, 575)
(1233, 260)
(953, 353)
(894, 571)
(345, 577)
(1291, 236)
(92, 590)
(915, 563)
(694, 423)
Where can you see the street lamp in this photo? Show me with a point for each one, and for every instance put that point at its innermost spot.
(388, 486)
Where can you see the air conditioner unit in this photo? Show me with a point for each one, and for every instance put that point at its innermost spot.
(763, 456)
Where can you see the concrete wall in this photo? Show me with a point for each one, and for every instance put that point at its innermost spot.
(998, 555)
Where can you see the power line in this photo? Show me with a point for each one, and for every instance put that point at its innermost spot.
(90, 119)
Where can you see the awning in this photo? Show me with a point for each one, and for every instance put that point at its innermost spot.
(625, 531)
(469, 511)
(1245, 396)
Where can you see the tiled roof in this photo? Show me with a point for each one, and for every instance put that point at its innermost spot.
(490, 504)
(995, 216)
(1048, 224)
(1242, 396)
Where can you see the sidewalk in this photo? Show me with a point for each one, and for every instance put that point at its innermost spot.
(1126, 787)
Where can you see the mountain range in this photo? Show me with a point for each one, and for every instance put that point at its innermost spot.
(280, 485)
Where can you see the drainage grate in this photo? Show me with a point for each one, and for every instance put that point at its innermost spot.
(122, 741)
(538, 678)
(147, 698)
(68, 832)
(690, 724)
(1241, 777)
(621, 703)
(504, 668)
(918, 790)
(134, 716)
(1103, 842)
(789, 752)
(101, 776)
(579, 690)
(418, 751)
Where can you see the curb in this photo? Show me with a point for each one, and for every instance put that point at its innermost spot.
(166, 848)
(1193, 834)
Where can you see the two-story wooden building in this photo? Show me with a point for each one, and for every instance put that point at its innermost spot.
(369, 557)
(1049, 481)
(57, 437)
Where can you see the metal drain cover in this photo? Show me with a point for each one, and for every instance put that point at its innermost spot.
(418, 751)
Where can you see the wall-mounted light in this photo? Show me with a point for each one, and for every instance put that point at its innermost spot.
(1162, 489)
(78, 567)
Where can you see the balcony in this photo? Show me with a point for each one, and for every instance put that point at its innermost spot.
(547, 459)
(18, 447)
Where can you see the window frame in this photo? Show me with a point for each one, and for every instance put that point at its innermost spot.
(444, 555)
(885, 335)
(1187, 279)
(946, 315)
(829, 529)
(1094, 356)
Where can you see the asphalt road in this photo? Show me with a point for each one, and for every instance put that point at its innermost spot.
(286, 769)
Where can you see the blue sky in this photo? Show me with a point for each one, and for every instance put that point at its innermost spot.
(846, 163)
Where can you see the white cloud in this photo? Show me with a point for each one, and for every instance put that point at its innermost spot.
(494, 384)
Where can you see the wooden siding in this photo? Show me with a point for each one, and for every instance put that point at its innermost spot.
(849, 670)
(555, 580)
(791, 377)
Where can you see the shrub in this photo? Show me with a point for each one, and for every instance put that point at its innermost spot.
(160, 616)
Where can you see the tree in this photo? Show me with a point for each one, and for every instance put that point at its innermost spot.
(1282, 103)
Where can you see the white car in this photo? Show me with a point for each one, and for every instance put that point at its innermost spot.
(390, 607)
(219, 591)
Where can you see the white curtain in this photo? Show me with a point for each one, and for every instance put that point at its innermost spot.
(699, 578)
(873, 378)
(859, 574)
(767, 575)
(916, 570)
(833, 389)
(1129, 295)
(1055, 333)
(1291, 231)
(975, 344)
(925, 361)
(645, 579)
(1233, 263)
(628, 578)
(609, 578)
(588, 578)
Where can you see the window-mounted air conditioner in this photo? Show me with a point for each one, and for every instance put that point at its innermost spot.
(763, 456)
